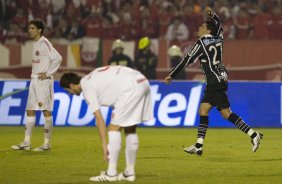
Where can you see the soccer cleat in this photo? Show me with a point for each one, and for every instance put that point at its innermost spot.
(103, 177)
(256, 141)
(44, 147)
(193, 150)
(21, 146)
(123, 177)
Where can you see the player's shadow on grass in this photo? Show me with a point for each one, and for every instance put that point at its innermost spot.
(24, 152)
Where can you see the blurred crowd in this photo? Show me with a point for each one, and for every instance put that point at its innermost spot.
(175, 20)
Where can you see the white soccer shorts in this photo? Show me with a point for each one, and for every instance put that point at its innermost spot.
(134, 106)
(40, 95)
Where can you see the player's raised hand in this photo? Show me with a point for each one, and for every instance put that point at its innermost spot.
(208, 11)
(167, 80)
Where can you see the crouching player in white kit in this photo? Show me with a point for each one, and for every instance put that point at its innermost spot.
(45, 61)
(128, 92)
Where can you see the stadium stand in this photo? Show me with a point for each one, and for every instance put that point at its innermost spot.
(252, 29)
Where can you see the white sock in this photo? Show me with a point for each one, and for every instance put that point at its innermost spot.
(30, 123)
(48, 125)
(250, 132)
(114, 146)
(200, 140)
(132, 144)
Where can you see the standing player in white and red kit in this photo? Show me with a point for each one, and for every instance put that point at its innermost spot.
(45, 62)
(127, 91)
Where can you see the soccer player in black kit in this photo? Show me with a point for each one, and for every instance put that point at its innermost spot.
(208, 49)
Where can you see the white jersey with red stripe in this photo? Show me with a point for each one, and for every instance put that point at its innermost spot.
(124, 89)
(45, 58)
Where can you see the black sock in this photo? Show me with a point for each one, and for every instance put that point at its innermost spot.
(239, 123)
(202, 129)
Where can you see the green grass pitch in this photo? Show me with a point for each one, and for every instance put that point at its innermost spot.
(76, 155)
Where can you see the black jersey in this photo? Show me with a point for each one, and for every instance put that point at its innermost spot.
(208, 49)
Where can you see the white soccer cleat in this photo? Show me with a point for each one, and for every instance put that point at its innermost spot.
(123, 177)
(103, 177)
(44, 147)
(256, 141)
(193, 150)
(21, 146)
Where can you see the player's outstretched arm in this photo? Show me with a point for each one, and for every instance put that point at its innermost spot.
(208, 11)
(215, 18)
(100, 124)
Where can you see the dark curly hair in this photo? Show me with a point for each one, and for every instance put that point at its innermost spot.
(69, 78)
(39, 24)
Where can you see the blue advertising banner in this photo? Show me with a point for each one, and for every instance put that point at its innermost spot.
(175, 105)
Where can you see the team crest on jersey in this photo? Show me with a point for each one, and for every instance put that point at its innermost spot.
(37, 53)
(40, 104)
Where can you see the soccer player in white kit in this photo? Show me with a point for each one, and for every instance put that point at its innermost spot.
(127, 91)
(45, 62)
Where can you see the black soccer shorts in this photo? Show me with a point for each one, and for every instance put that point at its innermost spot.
(216, 95)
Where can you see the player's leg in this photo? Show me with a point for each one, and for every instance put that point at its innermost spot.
(244, 127)
(45, 97)
(48, 126)
(204, 123)
(237, 121)
(30, 118)
(202, 129)
(114, 146)
(30, 123)
(132, 144)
